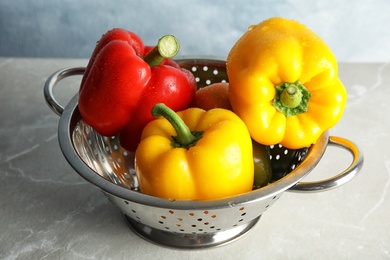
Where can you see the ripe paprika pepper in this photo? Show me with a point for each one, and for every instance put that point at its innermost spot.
(194, 155)
(124, 79)
(284, 83)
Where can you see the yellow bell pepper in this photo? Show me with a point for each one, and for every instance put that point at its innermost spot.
(194, 155)
(284, 83)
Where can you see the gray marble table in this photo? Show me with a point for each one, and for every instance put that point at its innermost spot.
(49, 212)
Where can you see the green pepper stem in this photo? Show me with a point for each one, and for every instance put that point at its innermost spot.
(184, 137)
(291, 98)
(167, 47)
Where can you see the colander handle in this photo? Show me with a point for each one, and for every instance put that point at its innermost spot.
(340, 179)
(52, 81)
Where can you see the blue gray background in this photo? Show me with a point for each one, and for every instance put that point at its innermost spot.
(354, 30)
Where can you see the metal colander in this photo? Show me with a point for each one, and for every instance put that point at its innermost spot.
(185, 224)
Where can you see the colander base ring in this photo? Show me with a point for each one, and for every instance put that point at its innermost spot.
(189, 241)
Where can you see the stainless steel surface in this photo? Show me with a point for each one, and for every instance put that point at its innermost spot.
(52, 81)
(183, 224)
(340, 179)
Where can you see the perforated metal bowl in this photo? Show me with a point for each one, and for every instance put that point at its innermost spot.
(185, 224)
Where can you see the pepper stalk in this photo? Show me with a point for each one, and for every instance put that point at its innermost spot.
(184, 137)
(167, 47)
(291, 98)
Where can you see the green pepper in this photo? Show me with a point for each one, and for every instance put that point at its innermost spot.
(262, 165)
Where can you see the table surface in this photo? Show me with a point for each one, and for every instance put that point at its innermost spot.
(49, 212)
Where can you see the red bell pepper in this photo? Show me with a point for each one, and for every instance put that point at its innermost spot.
(124, 79)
